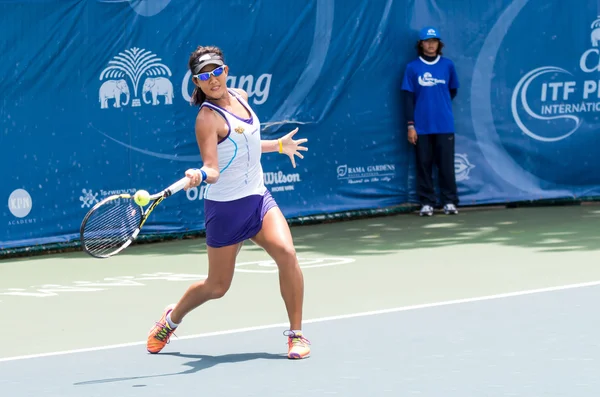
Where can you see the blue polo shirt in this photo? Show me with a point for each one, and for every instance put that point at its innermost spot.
(431, 83)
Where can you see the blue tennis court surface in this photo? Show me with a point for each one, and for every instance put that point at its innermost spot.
(537, 344)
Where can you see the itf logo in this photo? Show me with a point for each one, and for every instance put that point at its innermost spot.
(125, 72)
(550, 93)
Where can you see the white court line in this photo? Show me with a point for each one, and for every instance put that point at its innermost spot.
(320, 320)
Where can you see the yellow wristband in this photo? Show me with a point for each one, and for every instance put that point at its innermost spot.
(280, 146)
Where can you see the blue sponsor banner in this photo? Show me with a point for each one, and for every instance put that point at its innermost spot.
(95, 101)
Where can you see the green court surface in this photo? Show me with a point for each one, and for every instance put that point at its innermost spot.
(71, 301)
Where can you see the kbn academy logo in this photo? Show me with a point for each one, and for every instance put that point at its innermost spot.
(552, 93)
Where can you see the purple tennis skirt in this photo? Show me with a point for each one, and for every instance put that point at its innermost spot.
(231, 222)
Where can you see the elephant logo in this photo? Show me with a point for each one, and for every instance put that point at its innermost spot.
(158, 86)
(134, 64)
(113, 89)
(596, 32)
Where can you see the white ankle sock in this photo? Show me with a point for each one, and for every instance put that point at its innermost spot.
(171, 323)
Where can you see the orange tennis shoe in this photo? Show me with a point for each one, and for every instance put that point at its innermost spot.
(161, 332)
(298, 345)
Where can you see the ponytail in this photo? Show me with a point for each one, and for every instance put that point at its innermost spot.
(198, 96)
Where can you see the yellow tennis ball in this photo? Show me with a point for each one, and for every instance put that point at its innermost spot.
(141, 197)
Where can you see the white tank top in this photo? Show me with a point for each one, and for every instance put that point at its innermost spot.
(241, 172)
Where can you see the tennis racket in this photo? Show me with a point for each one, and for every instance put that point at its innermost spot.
(114, 223)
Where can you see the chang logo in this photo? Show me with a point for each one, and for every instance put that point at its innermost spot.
(126, 71)
(595, 33)
(550, 93)
(258, 89)
(427, 80)
(590, 60)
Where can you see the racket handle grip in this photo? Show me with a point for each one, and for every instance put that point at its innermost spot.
(177, 186)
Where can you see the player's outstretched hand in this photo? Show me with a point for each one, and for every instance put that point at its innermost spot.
(291, 147)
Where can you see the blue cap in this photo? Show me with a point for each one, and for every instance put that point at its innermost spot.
(429, 32)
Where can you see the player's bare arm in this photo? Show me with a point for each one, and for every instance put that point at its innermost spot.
(285, 144)
(207, 136)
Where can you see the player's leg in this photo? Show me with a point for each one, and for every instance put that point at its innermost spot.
(276, 239)
(424, 171)
(221, 266)
(444, 155)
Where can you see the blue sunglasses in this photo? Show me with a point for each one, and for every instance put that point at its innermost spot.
(206, 75)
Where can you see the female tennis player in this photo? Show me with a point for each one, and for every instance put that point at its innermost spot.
(237, 204)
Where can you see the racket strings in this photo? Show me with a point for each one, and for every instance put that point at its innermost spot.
(111, 226)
